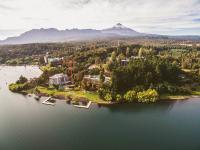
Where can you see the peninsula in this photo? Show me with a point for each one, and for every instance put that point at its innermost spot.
(113, 71)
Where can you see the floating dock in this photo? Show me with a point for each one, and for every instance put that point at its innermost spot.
(86, 107)
(46, 102)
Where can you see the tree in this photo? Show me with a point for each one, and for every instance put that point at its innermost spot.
(97, 60)
(108, 97)
(22, 80)
(113, 56)
(102, 77)
(130, 96)
(127, 52)
(41, 60)
(94, 71)
(120, 57)
(140, 53)
(56, 86)
(119, 98)
(150, 95)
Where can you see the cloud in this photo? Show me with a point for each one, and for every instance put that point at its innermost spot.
(9, 33)
(196, 20)
(4, 7)
(74, 3)
(35, 19)
(151, 16)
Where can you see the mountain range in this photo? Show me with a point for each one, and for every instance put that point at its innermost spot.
(54, 35)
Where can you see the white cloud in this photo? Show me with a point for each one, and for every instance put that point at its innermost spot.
(152, 16)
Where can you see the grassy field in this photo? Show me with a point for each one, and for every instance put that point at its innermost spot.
(45, 68)
(92, 96)
(196, 91)
(173, 97)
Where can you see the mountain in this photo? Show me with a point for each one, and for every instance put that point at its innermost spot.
(121, 30)
(55, 35)
(50, 35)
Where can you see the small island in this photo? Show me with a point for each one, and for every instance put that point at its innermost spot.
(116, 74)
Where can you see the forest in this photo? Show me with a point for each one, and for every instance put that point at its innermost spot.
(136, 72)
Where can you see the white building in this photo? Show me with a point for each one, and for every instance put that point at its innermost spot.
(96, 78)
(49, 60)
(125, 62)
(54, 60)
(46, 58)
(59, 79)
(94, 66)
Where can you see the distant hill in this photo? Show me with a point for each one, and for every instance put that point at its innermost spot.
(55, 35)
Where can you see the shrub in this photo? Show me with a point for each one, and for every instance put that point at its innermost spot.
(19, 87)
(119, 98)
(94, 71)
(105, 89)
(108, 97)
(56, 86)
(22, 80)
(130, 96)
(150, 95)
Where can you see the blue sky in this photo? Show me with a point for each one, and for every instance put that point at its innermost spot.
(172, 17)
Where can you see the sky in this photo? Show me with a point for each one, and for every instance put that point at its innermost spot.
(167, 17)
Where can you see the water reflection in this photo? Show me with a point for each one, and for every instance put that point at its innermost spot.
(27, 124)
(162, 107)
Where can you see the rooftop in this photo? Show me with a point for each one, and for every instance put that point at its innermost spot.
(59, 75)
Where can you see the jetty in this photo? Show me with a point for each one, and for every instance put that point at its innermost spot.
(46, 102)
(82, 106)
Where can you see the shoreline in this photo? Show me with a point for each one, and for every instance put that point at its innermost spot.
(163, 98)
(77, 95)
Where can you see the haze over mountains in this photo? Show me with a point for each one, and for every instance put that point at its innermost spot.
(55, 35)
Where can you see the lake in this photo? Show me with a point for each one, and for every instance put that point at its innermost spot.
(26, 124)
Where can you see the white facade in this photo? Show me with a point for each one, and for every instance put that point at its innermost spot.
(58, 79)
(51, 60)
(46, 58)
(96, 78)
(94, 67)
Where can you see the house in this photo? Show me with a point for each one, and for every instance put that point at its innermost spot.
(59, 79)
(137, 57)
(46, 58)
(53, 61)
(124, 62)
(94, 66)
(95, 79)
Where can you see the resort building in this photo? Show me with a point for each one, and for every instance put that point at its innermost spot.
(95, 79)
(137, 57)
(46, 58)
(53, 61)
(94, 66)
(125, 62)
(59, 79)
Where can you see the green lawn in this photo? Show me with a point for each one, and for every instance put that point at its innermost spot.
(47, 67)
(92, 96)
(173, 97)
(196, 91)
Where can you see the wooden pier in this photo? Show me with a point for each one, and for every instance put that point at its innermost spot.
(86, 107)
(46, 102)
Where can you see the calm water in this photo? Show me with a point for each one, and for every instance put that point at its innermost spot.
(26, 124)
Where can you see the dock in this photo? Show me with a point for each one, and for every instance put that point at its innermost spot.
(86, 107)
(46, 102)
